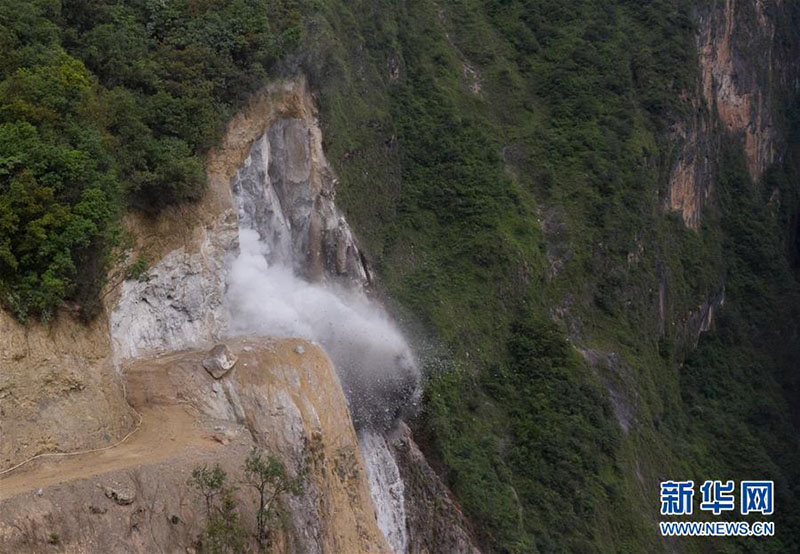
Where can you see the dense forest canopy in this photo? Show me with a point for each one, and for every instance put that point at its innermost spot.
(505, 164)
(108, 106)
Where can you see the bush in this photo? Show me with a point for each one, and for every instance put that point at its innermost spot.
(267, 476)
(269, 479)
(223, 533)
(106, 105)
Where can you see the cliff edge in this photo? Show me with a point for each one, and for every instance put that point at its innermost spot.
(282, 396)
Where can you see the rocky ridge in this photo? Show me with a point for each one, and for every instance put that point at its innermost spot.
(137, 499)
(177, 304)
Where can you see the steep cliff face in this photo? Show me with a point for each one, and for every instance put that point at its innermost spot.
(270, 175)
(427, 500)
(270, 202)
(179, 303)
(58, 389)
(285, 190)
(744, 72)
(736, 81)
(690, 183)
(275, 398)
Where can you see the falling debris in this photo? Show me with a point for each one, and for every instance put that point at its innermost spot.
(219, 361)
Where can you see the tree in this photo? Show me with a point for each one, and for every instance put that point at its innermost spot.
(269, 478)
(224, 533)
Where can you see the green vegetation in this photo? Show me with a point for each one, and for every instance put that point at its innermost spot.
(173, 72)
(58, 187)
(112, 105)
(741, 381)
(505, 164)
(269, 479)
(558, 460)
(224, 532)
(138, 269)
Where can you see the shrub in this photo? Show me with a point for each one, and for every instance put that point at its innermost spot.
(268, 477)
(223, 533)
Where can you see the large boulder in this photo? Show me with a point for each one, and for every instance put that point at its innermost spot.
(219, 361)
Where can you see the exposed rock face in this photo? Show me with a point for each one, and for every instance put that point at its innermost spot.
(290, 405)
(58, 389)
(179, 304)
(283, 188)
(415, 510)
(435, 522)
(690, 185)
(387, 486)
(743, 71)
(285, 191)
(288, 220)
(735, 85)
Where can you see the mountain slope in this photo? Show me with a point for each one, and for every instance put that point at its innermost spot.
(514, 164)
(587, 212)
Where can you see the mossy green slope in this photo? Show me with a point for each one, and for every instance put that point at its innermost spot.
(504, 164)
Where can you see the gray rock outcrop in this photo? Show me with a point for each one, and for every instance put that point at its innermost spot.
(219, 361)
(285, 191)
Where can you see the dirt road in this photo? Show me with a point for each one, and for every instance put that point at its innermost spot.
(165, 432)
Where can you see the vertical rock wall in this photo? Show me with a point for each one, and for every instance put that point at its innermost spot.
(272, 159)
(745, 68)
(271, 176)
